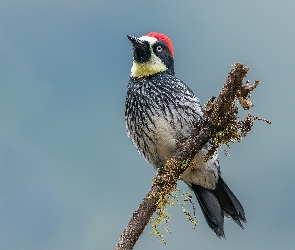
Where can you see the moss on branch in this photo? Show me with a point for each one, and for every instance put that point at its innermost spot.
(219, 126)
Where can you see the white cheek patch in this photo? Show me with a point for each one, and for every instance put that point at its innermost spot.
(153, 66)
(149, 39)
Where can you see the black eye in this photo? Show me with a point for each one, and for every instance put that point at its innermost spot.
(159, 48)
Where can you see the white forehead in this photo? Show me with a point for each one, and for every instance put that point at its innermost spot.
(151, 40)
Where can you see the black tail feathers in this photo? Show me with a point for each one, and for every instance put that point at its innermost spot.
(229, 202)
(211, 209)
(218, 202)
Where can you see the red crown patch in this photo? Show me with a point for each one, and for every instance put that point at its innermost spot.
(163, 38)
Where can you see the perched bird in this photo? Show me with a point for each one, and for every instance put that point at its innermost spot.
(160, 111)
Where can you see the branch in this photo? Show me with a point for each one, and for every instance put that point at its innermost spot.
(219, 126)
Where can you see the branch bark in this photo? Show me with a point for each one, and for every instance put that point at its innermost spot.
(220, 116)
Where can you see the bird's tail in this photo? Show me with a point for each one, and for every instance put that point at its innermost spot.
(217, 203)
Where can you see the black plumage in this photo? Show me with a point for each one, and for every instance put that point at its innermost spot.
(160, 111)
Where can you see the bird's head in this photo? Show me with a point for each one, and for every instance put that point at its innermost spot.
(152, 53)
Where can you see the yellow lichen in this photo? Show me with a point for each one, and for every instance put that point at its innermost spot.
(169, 195)
(225, 128)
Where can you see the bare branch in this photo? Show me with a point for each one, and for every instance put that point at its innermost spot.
(139, 220)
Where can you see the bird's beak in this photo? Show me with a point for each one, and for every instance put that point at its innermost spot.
(137, 43)
(141, 49)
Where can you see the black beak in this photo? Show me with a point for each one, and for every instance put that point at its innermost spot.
(141, 49)
(136, 42)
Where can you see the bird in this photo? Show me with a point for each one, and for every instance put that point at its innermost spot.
(161, 111)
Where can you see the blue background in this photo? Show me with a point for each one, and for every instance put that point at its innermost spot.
(69, 176)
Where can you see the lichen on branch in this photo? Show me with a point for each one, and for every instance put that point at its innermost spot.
(221, 117)
(167, 178)
(226, 128)
(220, 125)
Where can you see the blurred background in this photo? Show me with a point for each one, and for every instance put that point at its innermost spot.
(69, 176)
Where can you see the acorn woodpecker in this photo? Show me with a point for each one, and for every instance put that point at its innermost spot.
(160, 111)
